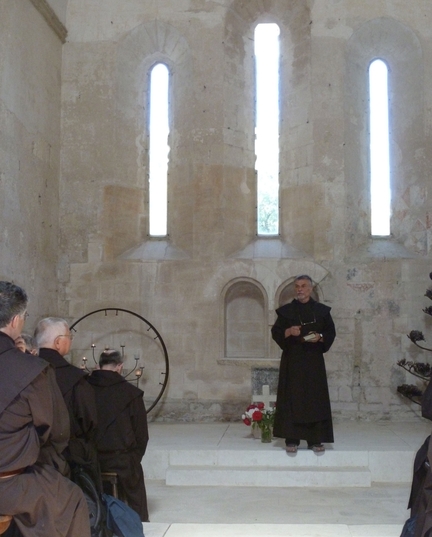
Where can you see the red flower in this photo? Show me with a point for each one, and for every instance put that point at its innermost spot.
(257, 415)
(250, 407)
(247, 421)
(260, 406)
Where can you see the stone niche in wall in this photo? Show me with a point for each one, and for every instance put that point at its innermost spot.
(245, 320)
(287, 293)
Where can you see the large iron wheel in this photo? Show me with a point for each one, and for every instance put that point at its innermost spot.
(90, 335)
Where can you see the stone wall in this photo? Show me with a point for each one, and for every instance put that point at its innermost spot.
(30, 108)
(190, 284)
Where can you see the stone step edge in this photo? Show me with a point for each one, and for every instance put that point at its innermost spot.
(256, 469)
(270, 476)
(257, 530)
(380, 463)
(251, 476)
(279, 459)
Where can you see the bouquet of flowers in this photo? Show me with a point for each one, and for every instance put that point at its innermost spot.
(258, 416)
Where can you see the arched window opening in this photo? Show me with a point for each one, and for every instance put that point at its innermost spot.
(380, 192)
(267, 127)
(158, 151)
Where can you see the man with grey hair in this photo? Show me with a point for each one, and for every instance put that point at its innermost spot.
(304, 330)
(41, 500)
(54, 340)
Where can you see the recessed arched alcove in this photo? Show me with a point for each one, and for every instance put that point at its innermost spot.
(244, 317)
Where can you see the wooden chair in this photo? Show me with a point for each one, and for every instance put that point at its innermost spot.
(111, 477)
(5, 521)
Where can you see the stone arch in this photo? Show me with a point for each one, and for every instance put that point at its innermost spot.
(294, 20)
(285, 292)
(137, 52)
(397, 45)
(244, 308)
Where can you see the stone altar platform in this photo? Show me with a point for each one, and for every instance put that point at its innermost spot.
(216, 479)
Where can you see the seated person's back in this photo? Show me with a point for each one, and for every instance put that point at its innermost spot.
(41, 500)
(54, 338)
(122, 429)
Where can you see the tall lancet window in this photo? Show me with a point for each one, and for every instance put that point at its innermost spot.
(158, 151)
(379, 149)
(267, 127)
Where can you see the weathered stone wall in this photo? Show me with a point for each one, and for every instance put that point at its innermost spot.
(59, 7)
(184, 285)
(30, 108)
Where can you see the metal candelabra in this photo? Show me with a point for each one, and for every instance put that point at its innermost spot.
(137, 369)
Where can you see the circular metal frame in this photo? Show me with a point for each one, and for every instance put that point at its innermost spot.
(150, 327)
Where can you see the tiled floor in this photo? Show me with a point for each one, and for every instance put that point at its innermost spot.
(209, 511)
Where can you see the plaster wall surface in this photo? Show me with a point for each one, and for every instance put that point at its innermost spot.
(180, 283)
(60, 9)
(30, 78)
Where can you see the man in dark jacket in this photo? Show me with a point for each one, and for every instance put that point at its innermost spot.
(304, 330)
(54, 339)
(122, 429)
(41, 500)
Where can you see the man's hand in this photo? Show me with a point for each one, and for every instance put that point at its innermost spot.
(316, 338)
(293, 331)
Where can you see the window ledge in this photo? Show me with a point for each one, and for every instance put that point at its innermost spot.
(154, 250)
(268, 248)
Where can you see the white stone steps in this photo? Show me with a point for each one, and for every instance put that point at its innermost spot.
(274, 457)
(268, 476)
(386, 451)
(380, 464)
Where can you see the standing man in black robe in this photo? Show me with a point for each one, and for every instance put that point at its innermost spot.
(122, 429)
(54, 340)
(33, 427)
(304, 330)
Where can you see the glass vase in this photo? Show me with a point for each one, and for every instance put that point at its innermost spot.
(256, 430)
(266, 433)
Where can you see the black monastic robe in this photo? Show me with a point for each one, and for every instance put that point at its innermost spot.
(41, 500)
(420, 500)
(122, 435)
(303, 404)
(81, 404)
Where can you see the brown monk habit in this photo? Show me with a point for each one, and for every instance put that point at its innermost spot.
(41, 500)
(122, 434)
(24, 367)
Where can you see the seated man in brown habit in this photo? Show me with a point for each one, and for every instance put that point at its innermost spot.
(41, 500)
(122, 429)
